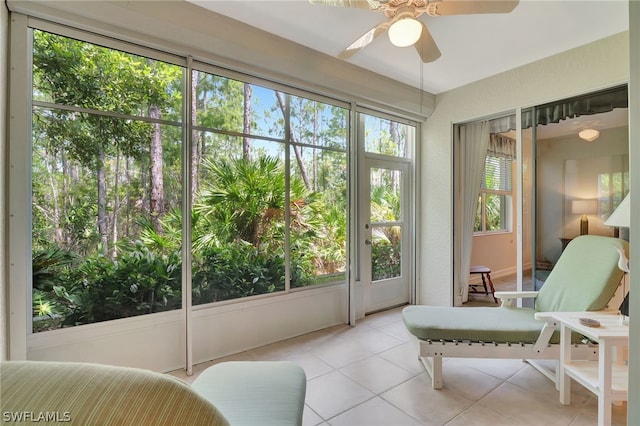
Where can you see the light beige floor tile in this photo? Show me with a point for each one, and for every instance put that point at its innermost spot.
(343, 352)
(318, 338)
(532, 408)
(478, 415)
(499, 368)
(310, 417)
(404, 356)
(374, 412)
(334, 393)
(376, 341)
(381, 319)
(279, 350)
(429, 406)
(531, 379)
(376, 374)
(339, 336)
(312, 365)
(398, 330)
(467, 382)
(379, 357)
(588, 416)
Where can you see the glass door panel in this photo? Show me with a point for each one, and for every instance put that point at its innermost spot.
(386, 280)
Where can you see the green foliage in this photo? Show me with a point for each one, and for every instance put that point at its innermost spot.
(385, 254)
(98, 288)
(138, 282)
(241, 200)
(47, 264)
(237, 269)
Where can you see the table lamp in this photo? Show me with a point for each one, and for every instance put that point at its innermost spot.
(621, 218)
(584, 207)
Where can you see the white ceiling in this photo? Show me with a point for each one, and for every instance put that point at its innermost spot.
(473, 46)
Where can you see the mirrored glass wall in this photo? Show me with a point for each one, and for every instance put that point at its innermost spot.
(569, 163)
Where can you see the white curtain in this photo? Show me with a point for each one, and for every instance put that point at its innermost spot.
(473, 141)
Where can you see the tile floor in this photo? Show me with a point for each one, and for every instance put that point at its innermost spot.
(370, 375)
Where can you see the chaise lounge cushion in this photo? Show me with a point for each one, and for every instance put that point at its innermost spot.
(585, 277)
(250, 394)
(476, 324)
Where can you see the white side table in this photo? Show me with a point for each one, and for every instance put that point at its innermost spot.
(607, 377)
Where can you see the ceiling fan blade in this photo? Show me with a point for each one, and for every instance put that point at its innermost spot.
(358, 4)
(468, 7)
(426, 46)
(363, 41)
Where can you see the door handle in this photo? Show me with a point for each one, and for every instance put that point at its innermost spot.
(367, 242)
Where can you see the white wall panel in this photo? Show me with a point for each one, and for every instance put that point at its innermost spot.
(157, 341)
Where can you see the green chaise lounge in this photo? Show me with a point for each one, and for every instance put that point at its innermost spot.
(585, 278)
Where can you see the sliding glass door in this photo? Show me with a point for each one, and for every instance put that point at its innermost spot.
(580, 149)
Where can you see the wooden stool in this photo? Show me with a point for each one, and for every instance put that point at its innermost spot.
(483, 271)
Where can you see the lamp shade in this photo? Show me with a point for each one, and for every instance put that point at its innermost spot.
(621, 216)
(405, 32)
(584, 207)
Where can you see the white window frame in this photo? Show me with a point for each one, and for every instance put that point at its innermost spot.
(506, 211)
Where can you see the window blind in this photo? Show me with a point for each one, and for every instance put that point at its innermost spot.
(497, 173)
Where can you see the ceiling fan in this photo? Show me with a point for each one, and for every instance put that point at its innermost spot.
(403, 26)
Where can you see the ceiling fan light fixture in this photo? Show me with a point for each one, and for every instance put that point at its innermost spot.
(589, 135)
(405, 32)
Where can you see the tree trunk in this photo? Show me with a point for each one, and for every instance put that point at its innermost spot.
(246, 141)
(116, 207)
(102, 201)
(296, 148)
(156, 206)
(127, 230)
(55, 201)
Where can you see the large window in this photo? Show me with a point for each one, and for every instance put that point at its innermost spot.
(267, 184)
(494, 201)
(105, 179)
